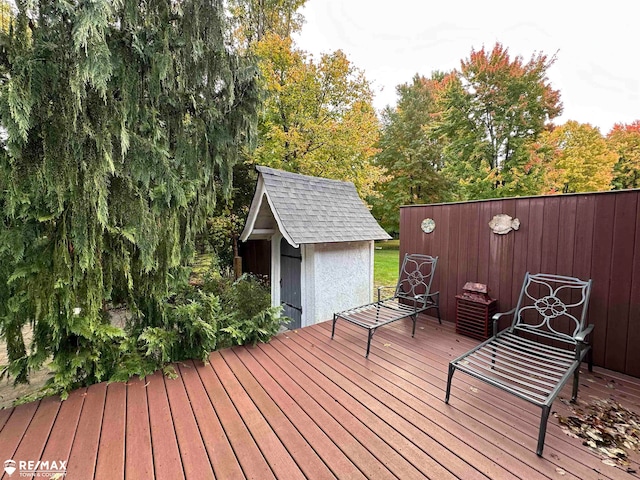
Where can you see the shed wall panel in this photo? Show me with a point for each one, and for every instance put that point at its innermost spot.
(341, 278)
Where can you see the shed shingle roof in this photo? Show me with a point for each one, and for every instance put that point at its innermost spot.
(318, 210)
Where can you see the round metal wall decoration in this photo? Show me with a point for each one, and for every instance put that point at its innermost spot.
(428, 225)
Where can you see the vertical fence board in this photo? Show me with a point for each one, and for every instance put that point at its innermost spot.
(633, 340)
(601, 274)
(506, 254)
(534, 245)
(549, 251)
(462, 273)
(471, 220)
(520, 248)
(595, 235)
(621, 275)
(454, 253)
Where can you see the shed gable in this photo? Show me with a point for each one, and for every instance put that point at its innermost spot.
(311, 209)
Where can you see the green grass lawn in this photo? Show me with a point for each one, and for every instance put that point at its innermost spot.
(201, 264)
(385, 266)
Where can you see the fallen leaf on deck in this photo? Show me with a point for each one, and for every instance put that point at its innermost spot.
(560, 471)
(473, 389)
(387, 344)
(606, 427)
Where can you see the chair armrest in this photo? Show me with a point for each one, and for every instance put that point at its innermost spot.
(497, 317)
(380, 290)
(581, 336)
(431, 298)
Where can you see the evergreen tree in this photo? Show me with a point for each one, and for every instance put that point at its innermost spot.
(122, 120)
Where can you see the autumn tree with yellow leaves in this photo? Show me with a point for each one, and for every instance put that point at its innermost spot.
(580, 159)
(317, 117)
(624, 140)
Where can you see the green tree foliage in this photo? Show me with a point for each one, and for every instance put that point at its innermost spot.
(581, 160)
(625, 141)
(410, 155)
(123, 120)
(253, 19)
(318, 117)
(491, 112)
(6, 16)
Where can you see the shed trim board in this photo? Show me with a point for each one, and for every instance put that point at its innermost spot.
(256, 203)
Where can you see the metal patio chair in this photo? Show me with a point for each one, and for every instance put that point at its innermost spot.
(541, 350)
(412, 296)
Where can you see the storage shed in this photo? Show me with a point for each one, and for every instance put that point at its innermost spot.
(320, 236)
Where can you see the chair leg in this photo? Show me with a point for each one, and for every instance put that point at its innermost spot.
(371, 332)
(576, 382)
(438, 310)
(590, 359)
(333, 327)
(452, 368)
(543, 428)
(414, 318)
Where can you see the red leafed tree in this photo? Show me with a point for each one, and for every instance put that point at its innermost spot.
(493, 110)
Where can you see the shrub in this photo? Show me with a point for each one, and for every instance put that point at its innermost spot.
(252, 319)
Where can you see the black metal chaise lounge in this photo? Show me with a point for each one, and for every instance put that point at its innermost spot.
(412, 296)
(541, 350)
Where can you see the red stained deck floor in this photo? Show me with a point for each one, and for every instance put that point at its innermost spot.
(306, 406)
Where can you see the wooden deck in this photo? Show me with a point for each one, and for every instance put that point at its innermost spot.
(307, 406)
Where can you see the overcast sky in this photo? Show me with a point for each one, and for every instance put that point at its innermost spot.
(598, 49)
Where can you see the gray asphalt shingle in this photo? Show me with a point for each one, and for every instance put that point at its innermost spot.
(319, 210)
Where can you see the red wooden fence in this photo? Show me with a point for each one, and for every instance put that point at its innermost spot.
(595, 235)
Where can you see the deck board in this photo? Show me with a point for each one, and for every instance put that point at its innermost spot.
(429, 417)
(247, 452)
(389, 442)
(308, 406)
(35, 438)
(407, 418)
(138, 449)
(4, 417)
(298, 448)
(63, 432)
(16, 428)
(326, 449)
(166, 454)
(223, 459)
(84, 450)
(277, 367)
(273, 450)
(489, 436)
(111, 448)
(192, 450)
